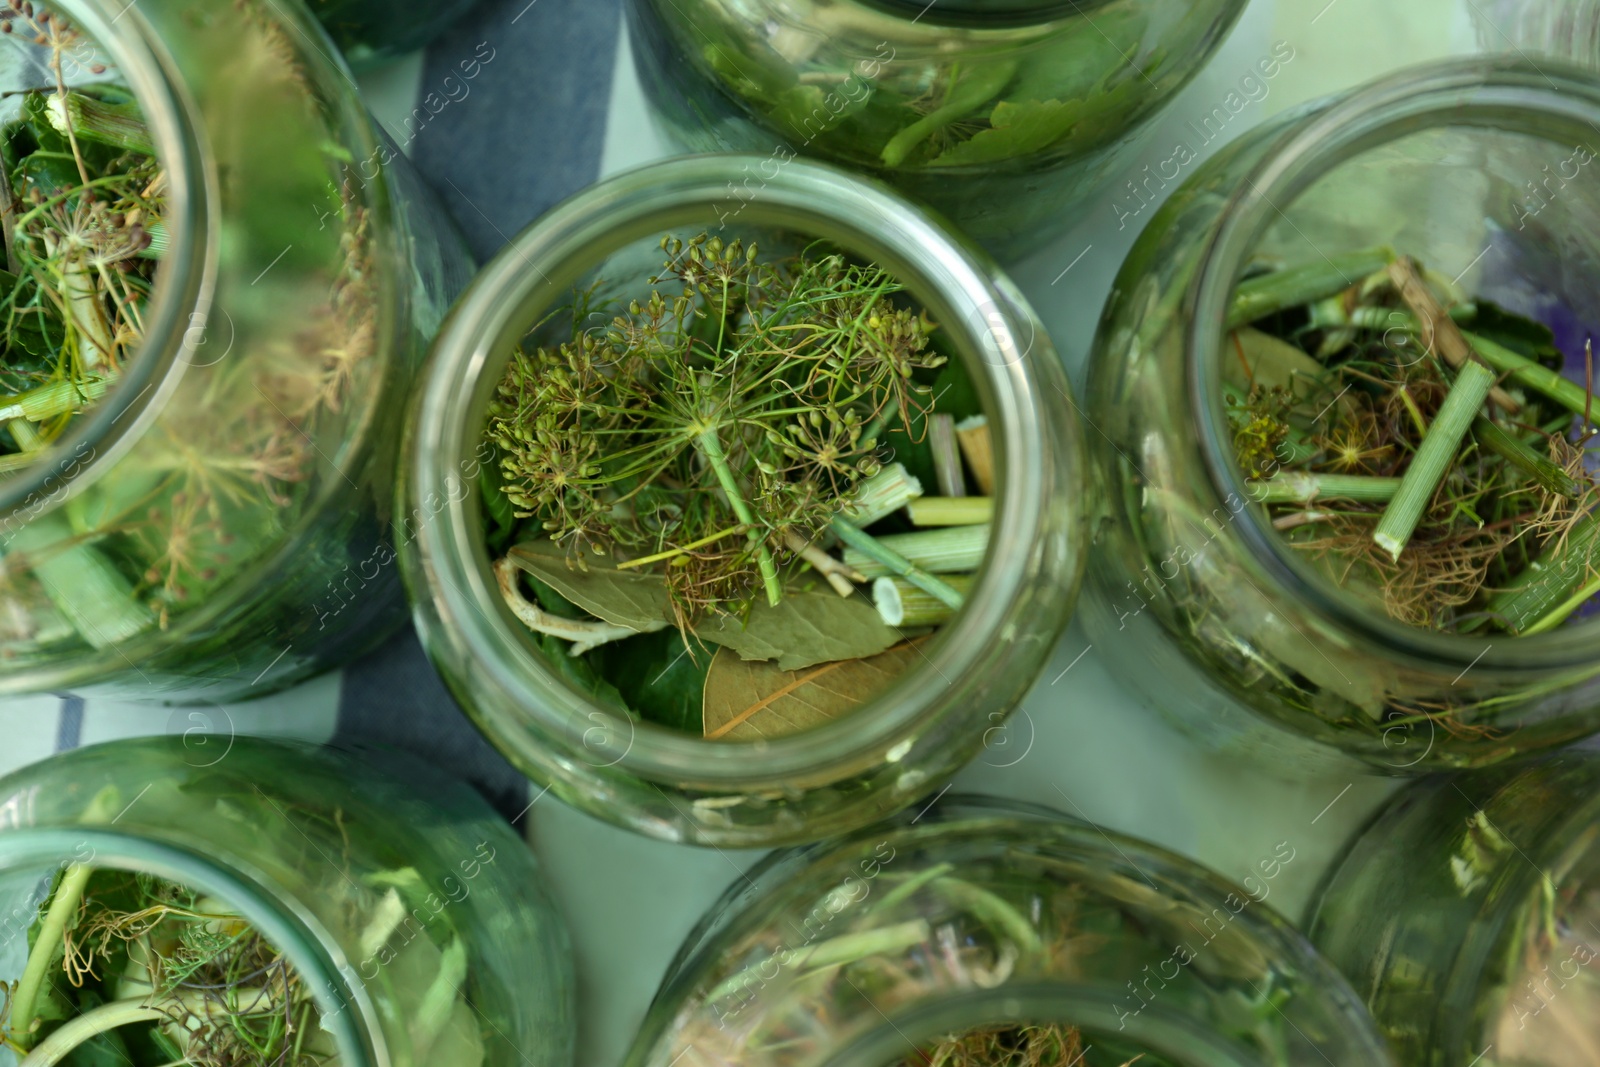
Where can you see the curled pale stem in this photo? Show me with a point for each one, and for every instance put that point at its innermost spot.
(584, 634)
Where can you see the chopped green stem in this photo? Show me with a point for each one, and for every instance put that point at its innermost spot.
(900, 603)
(951, 510)
(83, 583)
(1531, 375)
(886, 492)
(118, 125)
(946, 456)
(1517, 452)
(1554, 585)
(1295, 487)
(953, 550)
(711, 448)
(1259, 297)
(1434, 457)
(873, 548)
(54, 399)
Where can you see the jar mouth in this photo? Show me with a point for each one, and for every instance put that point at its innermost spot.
(175, 319)
(1176, 1038)
(537, 270)
(286, 925)
(1481, 93)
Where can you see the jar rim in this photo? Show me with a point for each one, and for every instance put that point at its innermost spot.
(577, 236)
(184, 283)
(287, 925)
(980, 15)
(1482, 92)
(1177, 1037)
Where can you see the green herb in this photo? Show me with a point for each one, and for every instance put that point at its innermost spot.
(1379, 436)
(681, 479)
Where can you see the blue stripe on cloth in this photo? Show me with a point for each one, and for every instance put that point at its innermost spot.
(511, 120)
(527, 130)
(69, 728)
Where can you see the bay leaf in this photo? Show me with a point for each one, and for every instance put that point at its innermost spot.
(633, 599)
(807, 627)
(748, 701)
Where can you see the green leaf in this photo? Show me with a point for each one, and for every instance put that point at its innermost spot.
(1017, 129)
(500, 516)
(969, 90)
(661, 677)
(623, 598)
(579, 673)
(747, 701)
(806, 628)
(1522, 335)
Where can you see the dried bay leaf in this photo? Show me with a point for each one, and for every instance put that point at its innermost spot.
(748, 701)
(633, 599)
(806, 628)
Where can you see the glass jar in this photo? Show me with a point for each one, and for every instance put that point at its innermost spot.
(847, 772)
(321, 851)
(1197, 602)
(370, 31)
(211, 529)
(1001, 115)
(1569, 29)
(984, 913)
(1466, 913)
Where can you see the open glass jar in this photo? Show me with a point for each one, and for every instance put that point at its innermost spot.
(209, 528)
(904, 740)
(1466, 914)
(1001, 115)
(399, 930)
(1197, 597)
(983, 917)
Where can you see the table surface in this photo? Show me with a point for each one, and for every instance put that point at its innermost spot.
(1079, 743)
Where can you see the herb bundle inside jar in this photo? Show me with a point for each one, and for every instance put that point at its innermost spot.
(1422, 445)
(741, 532)
(711, 503)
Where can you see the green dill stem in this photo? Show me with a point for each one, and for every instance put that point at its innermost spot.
(1532, 375)
(951, 510)
(1517, 452)
(951, 550)
(854, 537)
(119, 125)
(671, 553)
(992, 909)
(63, 908)
(1295, 487)
(1434, 456)
(711, 448)
(60, 1044)
(1257, 298)
(846, 948)
(1554, 585)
